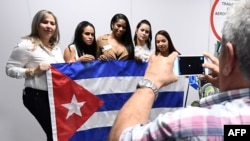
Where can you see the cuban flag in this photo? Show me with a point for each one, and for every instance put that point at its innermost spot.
(86, 97)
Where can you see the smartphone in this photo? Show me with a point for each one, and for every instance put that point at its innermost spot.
(189, 65)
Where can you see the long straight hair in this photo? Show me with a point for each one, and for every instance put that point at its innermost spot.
(149, 40)
(81, 46)
(171, 47)
(127, 36)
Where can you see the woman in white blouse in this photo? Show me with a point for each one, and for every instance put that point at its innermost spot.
(142, 41)
(30, 59)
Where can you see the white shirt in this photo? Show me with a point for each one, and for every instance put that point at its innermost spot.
(143, 52)
(27, 55)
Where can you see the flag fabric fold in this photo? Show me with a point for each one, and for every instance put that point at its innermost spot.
(86, 97)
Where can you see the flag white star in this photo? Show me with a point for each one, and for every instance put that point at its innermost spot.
(74, 107)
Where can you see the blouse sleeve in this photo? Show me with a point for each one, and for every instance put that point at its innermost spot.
(15, 66)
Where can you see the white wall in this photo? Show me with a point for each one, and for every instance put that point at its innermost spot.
(187, 21)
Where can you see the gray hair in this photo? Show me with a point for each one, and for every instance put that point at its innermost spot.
(236, 30)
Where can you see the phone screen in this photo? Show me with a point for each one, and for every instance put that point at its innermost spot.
(189, 65)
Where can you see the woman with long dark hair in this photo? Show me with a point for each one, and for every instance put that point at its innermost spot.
(118, 44)
(163, 44)
(83, 48)
(142, 41)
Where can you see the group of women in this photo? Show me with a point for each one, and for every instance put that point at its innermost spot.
(119, 43)
(32, 57)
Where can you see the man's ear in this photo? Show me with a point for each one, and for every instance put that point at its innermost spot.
(230, 59)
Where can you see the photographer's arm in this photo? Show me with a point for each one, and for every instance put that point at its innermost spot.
(137, 109)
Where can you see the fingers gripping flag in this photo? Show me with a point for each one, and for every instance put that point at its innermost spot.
(86, 97)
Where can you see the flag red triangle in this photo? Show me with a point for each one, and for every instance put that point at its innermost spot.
(64, 91)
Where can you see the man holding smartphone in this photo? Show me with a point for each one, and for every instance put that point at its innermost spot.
(190, 65)
(207, 122)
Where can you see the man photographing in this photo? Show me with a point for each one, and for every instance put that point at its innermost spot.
(231, 74)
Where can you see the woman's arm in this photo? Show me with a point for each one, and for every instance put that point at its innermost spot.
(69, 54)
(20, 54)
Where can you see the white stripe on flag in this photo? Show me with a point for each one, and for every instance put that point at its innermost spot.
(104, 119)
(107, 85)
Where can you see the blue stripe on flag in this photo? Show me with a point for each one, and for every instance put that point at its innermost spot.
(96, 134)
(98, 69)
(165, 99)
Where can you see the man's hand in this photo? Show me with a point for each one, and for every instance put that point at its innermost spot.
(160, 70)
(214, 67)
